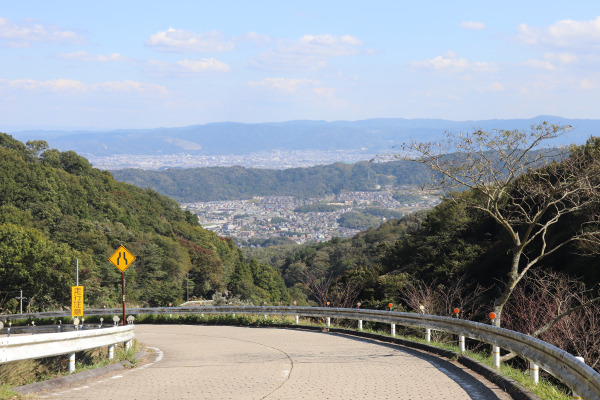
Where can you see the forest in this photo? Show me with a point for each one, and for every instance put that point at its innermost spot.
(55, 209)
(233, 183)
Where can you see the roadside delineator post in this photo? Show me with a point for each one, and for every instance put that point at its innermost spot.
(297, 316)
(360, 327)
(461, 338)
(264, 304)
(534, 372)
(111, 351)
(495, 349)
(574, 395)
(71, 363)
(427, 330)
(392, 325)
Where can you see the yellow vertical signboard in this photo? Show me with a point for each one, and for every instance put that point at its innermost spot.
(77, 301)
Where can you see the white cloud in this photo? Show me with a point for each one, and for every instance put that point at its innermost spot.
(285, 85)
(179, 40)
(56, 85)
(495, 87)
(303, 90)
(21, 35)
(254, 37)
(99, 58)
(71, 86)
(309, 52)
(203, 65)
(130, 87)
(451, 62)
(585, 84)
(472, 25)
(563, 58)
(565, 33)
(540, 64)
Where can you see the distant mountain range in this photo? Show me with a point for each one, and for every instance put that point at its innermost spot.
(370, 136)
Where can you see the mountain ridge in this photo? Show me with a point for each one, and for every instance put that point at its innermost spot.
(370, 135)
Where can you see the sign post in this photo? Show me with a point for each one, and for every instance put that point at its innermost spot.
(122, 259)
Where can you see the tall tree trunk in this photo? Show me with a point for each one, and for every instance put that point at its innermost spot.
(513, 280)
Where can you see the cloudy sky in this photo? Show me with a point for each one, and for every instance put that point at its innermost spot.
(144, 64)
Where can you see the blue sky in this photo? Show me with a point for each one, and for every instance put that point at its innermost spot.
(146, 64)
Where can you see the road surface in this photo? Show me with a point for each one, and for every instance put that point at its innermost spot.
(218, 362)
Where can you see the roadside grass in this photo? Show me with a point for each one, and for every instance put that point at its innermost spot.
(24, 372)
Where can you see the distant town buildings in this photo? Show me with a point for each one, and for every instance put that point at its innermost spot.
(274, 216)
(276, 159)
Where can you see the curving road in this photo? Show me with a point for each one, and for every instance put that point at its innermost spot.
(216, 362)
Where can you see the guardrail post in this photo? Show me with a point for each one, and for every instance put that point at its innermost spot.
(360, 325)
(8, 330)
(393, 329)
(496, 356)
(534, 372)
(428, 335)
(328, 322)
(461, 343)
(71, 363)
(574, 395)
(111, 351)
(127, 344)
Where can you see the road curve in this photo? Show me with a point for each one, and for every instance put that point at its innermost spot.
(217, 362)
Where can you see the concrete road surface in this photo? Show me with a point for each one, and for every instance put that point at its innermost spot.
(217, 362)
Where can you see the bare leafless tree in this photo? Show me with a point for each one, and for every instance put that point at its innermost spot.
(345, 293)
(341, 293)
(526, 188)
(318, 286)
(441, 299)
(559, 310)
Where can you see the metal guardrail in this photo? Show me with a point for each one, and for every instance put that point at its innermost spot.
(580, 377)
(18, 348)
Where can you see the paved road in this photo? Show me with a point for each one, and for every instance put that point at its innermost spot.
(214, 362)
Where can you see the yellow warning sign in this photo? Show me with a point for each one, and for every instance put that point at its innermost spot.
(77, 301)
(122, 258)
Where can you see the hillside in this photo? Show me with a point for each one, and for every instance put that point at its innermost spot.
(453, 243)
(229, 183)
(55, 208)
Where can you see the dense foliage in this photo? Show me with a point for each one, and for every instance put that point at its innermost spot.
(452, 242)
(55, 208)
(227, 183)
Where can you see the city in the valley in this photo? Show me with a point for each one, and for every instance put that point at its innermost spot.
(253, 221)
